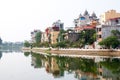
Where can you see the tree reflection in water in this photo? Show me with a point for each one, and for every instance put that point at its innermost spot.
(83, 68)
(0, 54)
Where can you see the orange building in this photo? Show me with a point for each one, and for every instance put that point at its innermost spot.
(54, 36)
(108, 15)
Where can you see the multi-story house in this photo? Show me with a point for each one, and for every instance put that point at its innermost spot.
(108, 15)
(44, 37)
(47, 34)
(51, 35)
(85, 19)
(58, 24)
(103, 31)
(52, 32)
(54, 36)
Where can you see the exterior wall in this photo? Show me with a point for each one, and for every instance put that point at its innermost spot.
(85, 19)
(105, 30)
(72, 37)
(44, 37)
(108, 15)
(82, 22)
(54, 36)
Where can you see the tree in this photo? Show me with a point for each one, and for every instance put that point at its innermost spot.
(26, 44)
(0, 41)
(112, 65)
(61, 44)
(87, 36)
(116, 33)
(61, 35)
(111, 41)
(38, 37)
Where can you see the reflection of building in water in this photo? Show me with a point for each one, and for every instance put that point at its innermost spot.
(50, 64)
(98, 59)
(85, 75)
(52, 67)
(84, 68)
(105, 74)
(37, 62)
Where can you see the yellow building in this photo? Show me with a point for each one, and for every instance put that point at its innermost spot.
(54, 36)
(108, 15)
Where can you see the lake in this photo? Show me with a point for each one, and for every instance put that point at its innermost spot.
(31, 66)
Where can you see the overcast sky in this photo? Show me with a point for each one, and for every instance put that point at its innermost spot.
(19, 17)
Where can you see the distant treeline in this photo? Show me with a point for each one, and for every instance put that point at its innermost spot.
(11, 45)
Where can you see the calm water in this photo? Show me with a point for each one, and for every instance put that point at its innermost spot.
(31, 66)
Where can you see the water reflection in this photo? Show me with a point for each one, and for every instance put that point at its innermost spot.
(83, 68)
(8, 51)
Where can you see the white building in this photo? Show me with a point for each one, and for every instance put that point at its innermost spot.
(44, 37)
(84, 19)
(59, 24)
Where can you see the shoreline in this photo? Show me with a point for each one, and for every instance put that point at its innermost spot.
(75, 51)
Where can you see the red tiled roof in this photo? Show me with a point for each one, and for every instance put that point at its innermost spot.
(78, 28)
(55, 28)
(114, 18)
(89, 27)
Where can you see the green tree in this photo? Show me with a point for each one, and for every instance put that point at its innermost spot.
(38, 37)
(26, 54)
(26, 44)
(61, 44)
(0, 41)
(61, 35)
(116, 33)
(87, 37)
(44, 44)
(111, 41)
(112, 65)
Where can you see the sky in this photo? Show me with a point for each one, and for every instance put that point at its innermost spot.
(19, 17)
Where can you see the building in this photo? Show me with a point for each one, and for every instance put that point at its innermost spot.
(51, 33)
(103, 31)
(44, 37)
(58, 24)
(108, 15)
(88, 27)
(85, 19)
(53, 37)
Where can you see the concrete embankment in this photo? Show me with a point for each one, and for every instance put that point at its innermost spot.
(95, 52)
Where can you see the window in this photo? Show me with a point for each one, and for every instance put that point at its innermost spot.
(99, 36)
(116, 21)
(99, 29)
